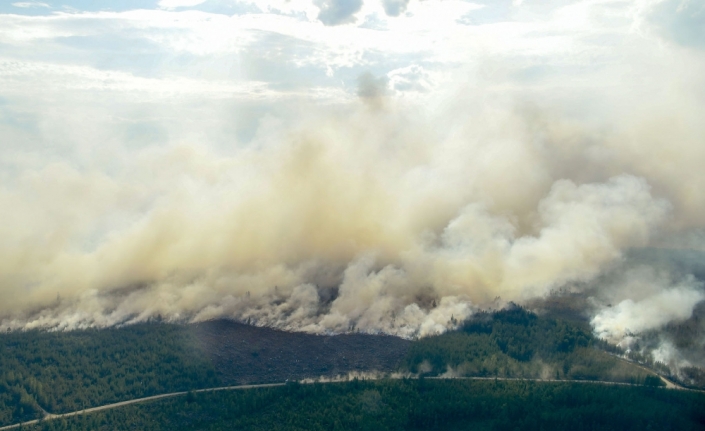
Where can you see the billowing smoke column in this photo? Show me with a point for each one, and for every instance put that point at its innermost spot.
(367, 222)
(386, 213)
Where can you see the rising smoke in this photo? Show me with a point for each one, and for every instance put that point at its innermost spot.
(363, 222)
(395, 217)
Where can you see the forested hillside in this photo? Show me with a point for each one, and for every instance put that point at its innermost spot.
(62, 372)
(410, 405)
(517, 343)
(67, 371)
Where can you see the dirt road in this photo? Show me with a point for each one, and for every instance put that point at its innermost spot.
(50, 416)
(269, 385)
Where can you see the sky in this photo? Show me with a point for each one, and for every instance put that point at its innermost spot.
(334, 165)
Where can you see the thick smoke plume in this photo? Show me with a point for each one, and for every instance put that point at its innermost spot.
(402, 211)
(372, 221)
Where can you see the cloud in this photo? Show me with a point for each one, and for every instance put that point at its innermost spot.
(394, 7)
(412, 78)
(680, 21)
(337, 12)
(30, 4)
(174, 4)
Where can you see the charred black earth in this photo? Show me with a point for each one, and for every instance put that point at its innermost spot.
(60, 372)
(244, 354)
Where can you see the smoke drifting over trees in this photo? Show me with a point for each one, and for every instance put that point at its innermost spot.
(401, 216)
(360, 222)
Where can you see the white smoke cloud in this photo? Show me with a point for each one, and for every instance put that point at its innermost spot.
(239, 176)
(329, 227)
(210, 245)
(671, 304)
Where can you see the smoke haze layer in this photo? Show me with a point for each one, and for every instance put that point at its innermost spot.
(541, 157)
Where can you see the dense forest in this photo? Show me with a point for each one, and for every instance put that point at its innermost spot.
(422, 404)
(60, 372)
(516, 343)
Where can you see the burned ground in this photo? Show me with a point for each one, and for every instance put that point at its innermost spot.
(249, 354)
